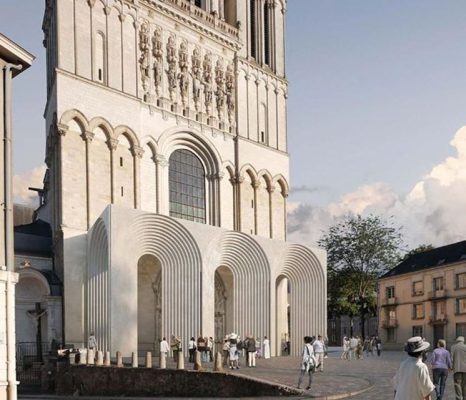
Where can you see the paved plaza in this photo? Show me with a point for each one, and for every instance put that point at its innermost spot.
(371, 376)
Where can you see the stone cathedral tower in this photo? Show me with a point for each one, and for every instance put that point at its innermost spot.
(168, 173)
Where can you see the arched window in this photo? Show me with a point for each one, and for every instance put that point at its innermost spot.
(187, 186)
(267, 33)
(252, 26)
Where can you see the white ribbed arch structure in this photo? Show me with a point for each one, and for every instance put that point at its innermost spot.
(308, 296)
(98, 287)
(251, 278)
(181, 263)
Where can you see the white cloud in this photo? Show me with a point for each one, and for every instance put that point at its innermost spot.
(434, 211)
(22, 182)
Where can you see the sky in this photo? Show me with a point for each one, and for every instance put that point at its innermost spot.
(377, 102)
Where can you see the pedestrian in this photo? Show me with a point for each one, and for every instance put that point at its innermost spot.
(266, 344)
(353, 346)
(92, 342)
(441, 363)
(175, 345)
(412, 380)
(367, 346)
(319, 350)
(250, 346)
(201, 347)
(258, 348)
(234, 354)
(458, 352)
(346, 349)
(308, 363)
(164, 347)
(226, 350)
(378, 345)
(359, 354)
(192, 349)
(210, 346)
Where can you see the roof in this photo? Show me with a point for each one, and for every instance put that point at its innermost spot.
(438, 257)
(34, 239)
(14, 54)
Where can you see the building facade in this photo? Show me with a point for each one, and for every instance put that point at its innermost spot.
(168, 173)
(424, 296)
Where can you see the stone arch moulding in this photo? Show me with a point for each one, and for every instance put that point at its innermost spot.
(308, 297)
(283, 183)
(129, 133)
(267, 177)
(31, 273)
(251, 275)
(77, 116)
(181, 264)
(249, 169)
(102, 123)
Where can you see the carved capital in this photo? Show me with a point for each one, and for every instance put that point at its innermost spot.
(88, 136)
(161, 161)
(107, 10)
(112, 144)
(137, 151)
(240, 179)
(257, 82)
(247, 77)
(271, 188)
(62, 129)
(122, 17)
(256, 185)
(91, 3)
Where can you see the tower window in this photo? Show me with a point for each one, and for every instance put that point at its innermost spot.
(198, 3)
(187, 186)
(266, 34)
(252, 203)
(122, 191)
(262, 136)
(252, 16)
(121, 161)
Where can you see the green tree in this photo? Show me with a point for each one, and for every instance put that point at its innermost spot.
(359, 250)
(419, 249)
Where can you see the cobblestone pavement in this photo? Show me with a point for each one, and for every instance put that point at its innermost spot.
(372, 375)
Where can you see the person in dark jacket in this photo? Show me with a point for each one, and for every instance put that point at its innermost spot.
(251, 349)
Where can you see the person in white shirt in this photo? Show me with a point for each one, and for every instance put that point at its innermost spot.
(319, 350)
(346, 347)
(308, 363)
(353, 346)
(164, 347)
(191, 349)
(266, 344)
(412, 380)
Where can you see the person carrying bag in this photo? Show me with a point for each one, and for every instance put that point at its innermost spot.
(308, 363)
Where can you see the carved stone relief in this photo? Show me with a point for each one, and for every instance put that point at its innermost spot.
(157, 52)
(183, 75)
(230, 92)
(144, 63)
(171, 72)
(196, 76)
(208, 82)
(220, 91)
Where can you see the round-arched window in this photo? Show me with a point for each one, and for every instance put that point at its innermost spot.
(187, 186)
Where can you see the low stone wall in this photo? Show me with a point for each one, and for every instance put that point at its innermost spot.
(148, 382)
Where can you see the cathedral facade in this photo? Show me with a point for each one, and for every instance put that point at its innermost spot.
(168, 173)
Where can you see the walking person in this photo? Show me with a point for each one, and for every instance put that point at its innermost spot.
(176, 347)
(251, 350)
(226, 351)
(353, 346)
(441, 363)
(234, 354)
(308, 363)
(266, 344)
(346, 349)
(210, 346)
(412, 380)
(319, 350)
(378, 345)
(164, 347)
(191, 349)
(458, 352)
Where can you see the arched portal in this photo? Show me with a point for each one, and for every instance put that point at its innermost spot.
(283, 312)
(224, 289)
(149, 303)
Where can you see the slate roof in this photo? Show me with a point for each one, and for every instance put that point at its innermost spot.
(34, 239)
(438, 257)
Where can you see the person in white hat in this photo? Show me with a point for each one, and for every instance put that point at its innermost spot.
(412, 380)
(458, 353)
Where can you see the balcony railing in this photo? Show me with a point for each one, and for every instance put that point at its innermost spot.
(389, 301)
(199, 14)
(438, 320)
(389, 323)
(438, 294)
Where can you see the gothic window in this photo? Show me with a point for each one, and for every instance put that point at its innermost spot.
(187, 186)
(266, 34)
(252, 18)
(100, 58)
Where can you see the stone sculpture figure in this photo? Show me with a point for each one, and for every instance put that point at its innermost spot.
(207, 81)
(144, 63)
(220, 91)
(230, 91)
(157, 52)
(183, 75)
(171, 72)
(196, 76)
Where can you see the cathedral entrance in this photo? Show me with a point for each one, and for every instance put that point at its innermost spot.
(283, 317)
(149, 304)
(224, 285)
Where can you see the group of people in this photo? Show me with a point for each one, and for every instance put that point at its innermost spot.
(313, 355)
(234, 347)
(355, 347)
(412, 380)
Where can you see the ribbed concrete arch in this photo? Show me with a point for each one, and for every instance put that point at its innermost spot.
(181, 262)
(308, 297)
(251, 275)
(98, 286)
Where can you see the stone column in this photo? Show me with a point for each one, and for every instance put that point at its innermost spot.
(87, 137)
(112, 145)
(162, 185)
(270, 190)
(137, 155)
(256, 185)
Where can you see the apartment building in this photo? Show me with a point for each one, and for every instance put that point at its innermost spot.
(425, 295)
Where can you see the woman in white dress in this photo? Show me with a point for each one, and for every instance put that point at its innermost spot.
(234, 354)
(266, 345)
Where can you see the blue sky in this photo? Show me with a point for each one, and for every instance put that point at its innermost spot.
(377, 92)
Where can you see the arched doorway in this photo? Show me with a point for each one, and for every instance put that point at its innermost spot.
(283, 322)
(224, 285)
(149, 304)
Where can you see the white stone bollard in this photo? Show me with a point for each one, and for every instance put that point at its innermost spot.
(180, 361)
(107, 360)
(148, 359)
(197, 361)
(82, 356)
(119, 359)
(90, 357)
(72, 358)
(134, 360)
(218, 366)
(163, 360)
(100, 358)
